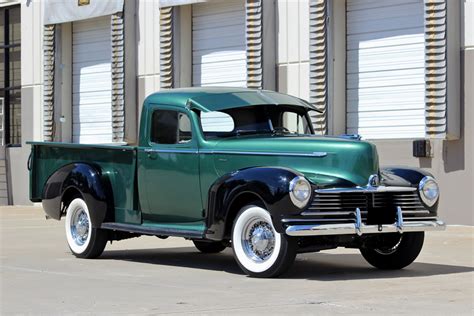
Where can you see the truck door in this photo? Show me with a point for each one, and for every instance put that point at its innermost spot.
(169, 168)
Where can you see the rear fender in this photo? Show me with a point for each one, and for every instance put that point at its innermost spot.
(88, 181)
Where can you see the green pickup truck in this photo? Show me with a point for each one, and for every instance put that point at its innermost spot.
(240, 168)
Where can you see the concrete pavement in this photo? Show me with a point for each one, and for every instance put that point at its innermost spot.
(148, 275)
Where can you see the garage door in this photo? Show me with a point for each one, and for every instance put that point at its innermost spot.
(385, 68)
(92, 81)
(219, 55)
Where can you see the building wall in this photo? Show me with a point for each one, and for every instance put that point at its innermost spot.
(31, 95)
(452, 161)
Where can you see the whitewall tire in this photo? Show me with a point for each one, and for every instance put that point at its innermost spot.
(259, 250)
(83, 240)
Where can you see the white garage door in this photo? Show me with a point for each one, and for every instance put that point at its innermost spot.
(219, 56)
(92, 81)
(385, 68)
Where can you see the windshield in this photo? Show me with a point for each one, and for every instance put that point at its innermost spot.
(261, 119)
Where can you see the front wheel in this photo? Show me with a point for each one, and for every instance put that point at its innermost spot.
(394, 251)
(83, 240)
(259, 250)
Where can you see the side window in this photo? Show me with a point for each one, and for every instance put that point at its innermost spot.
(295, 123)
(170, 127)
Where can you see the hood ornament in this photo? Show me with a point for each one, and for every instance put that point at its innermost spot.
(374, 181)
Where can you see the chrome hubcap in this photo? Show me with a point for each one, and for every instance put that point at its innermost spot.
(258, 240)
(390, 248)
(80, 226)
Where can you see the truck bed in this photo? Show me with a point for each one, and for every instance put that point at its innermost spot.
(117, 162)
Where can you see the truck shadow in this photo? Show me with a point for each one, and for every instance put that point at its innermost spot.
(314, 266)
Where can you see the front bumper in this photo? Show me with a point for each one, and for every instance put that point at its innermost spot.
(359, 228)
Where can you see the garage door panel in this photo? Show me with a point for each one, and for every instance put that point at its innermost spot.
(205, 9)
(218, 44)
(401, 24)
(358, 5)
(389, 94)
(219, 51)
(92, 36)
(91, 24)
(393, 78)
(94, 97)
(213, 21)
(229, 31)
(381, 13)
(385, 69)
(92, 67)
(386, 133)
(386, 38)
(92, 48)
(391, 58)
(210, 56)
(220, 83)
(92, 81)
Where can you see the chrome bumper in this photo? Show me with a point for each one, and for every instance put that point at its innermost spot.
(358, 228)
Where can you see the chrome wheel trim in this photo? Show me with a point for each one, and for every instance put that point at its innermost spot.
(80, 226)
(258, 239)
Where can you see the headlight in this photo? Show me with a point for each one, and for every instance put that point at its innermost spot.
(300, 191)
(429, 191)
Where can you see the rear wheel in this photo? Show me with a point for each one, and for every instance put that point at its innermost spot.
(83, 240)
(209, 246)
(259, 250)
(394, 251)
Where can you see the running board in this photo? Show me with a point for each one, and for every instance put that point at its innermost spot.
(154, 231)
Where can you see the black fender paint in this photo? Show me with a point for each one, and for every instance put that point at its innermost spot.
(406, 177)
(269, 184)
(89, 181)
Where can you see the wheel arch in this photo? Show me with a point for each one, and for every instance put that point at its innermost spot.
(242, 199)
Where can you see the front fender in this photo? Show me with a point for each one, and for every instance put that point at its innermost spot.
(85, 178)
(268, 184)
(406, 177)
(402, 176)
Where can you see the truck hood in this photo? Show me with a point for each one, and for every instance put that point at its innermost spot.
(326, 161)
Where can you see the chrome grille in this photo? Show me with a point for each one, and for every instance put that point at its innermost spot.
(335, 206)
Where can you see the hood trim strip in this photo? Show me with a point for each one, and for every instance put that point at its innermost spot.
(318, 154)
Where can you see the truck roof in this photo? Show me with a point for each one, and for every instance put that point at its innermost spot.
(220, 98)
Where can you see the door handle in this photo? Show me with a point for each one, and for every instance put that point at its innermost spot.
(151, 153)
